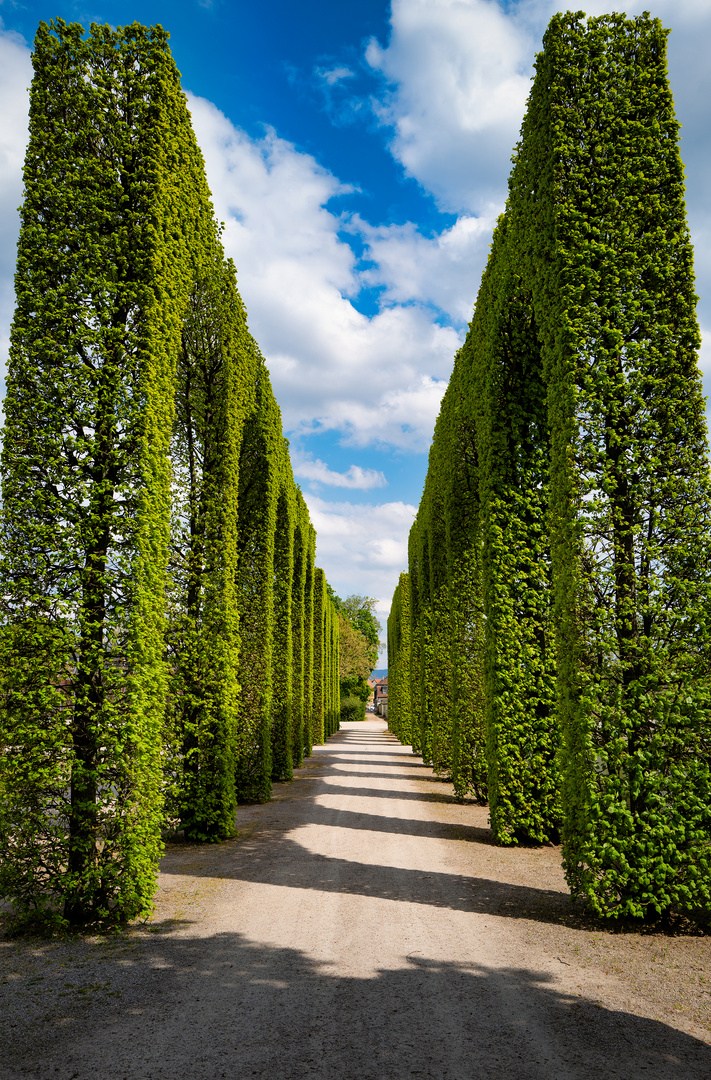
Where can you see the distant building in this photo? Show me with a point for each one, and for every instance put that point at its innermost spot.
(380, 697)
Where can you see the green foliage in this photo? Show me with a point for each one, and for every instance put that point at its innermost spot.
(333, 696)
(282, 761)
(157, 616)
(354, 659)
(304, 546)
(203, 641)
(325, 713)
(630, 501)
(111, 210)
(360, 611)
(355, 686)
(399, 661)
(352, 708)
(503, 356)
(562, 541)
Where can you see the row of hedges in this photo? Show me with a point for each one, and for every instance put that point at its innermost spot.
(167, 646)
(550, 644)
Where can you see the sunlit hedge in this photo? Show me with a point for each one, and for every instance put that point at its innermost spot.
(157, 639)
(563, 534)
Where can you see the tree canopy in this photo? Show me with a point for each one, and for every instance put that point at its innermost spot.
(360, 613)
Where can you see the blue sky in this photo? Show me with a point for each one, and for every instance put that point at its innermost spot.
(358, 153)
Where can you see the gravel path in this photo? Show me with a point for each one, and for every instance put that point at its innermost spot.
(362, 927)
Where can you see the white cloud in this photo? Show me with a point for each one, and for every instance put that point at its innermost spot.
(404, 417)
(443, 270)
(376, 379)
(317, 472)
(332, 76)
(15, 78)
(366, 544)
(457, 75)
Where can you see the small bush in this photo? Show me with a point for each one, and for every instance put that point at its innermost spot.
(352, 708)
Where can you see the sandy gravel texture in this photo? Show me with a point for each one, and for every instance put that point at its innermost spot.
(361, 927)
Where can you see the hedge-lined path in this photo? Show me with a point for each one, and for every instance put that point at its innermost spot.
(362, 926)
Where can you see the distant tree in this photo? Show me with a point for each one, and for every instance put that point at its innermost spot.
(353, 652)
(360, 610)
(359, 640)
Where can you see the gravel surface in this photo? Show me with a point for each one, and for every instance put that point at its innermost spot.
(362, 926)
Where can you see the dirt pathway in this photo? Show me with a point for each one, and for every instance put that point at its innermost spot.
(363, 927)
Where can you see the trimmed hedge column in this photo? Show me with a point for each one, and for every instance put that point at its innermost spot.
(304, 539)
(630, 499)
(399, 679)
(212, 395)
(114, 205)
(573, 438)
(506, 384)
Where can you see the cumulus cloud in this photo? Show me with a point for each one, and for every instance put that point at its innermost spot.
(453, 78)
(456, 76)
(363, 543)
(376, 379)
(442, 270)
(317, 472)
(15, 78)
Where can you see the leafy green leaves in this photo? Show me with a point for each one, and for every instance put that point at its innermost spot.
(567, 497)
(157, 632)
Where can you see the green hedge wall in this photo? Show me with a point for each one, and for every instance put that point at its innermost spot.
(630, 495)
(156, 622)
(399, 660)
(114, 207)
(203, 645)
(570, 467)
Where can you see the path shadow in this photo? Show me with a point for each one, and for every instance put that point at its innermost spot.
(392, 793)
(184, 1006)
(398, 760)
(271, 858)
(382, 775)
(354, 819)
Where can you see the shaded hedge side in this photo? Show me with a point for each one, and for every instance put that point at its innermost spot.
(400, 720)
(212, 397)
(570, 465)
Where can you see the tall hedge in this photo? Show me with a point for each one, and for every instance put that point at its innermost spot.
(462, 511)
(212, 395)
(148, 536)
(282, 708)
(570, 461)
(114, 204)
(310, 672)
(302, 648)
(506, 384)
(325, 700)
(399, 661)
(630, 501)
(319, 702)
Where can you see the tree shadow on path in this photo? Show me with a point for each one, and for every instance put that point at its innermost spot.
(222, 1006)
(284, 862)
